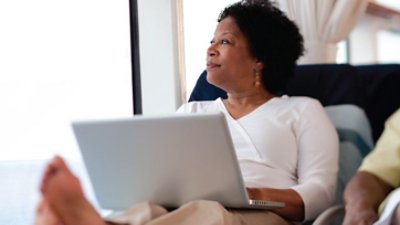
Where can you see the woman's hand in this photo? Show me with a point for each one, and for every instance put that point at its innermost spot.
(294, 206)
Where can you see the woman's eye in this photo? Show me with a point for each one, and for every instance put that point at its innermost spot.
(223, 42)
(220, 42)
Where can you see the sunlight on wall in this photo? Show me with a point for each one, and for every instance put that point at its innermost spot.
(388, 47)
(60, 61)
(391, 3)
(200, 20)
(342, 54)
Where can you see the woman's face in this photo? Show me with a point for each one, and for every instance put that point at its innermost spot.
(230, 64)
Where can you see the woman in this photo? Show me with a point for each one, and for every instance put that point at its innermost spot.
(286, 146)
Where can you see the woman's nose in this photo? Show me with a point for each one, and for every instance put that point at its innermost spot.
(212, 51)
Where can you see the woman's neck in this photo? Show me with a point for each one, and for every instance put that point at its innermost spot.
(240, 104)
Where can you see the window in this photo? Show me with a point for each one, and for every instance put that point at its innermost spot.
(342, 55)
(60, 61)
(394, 4)
(388, 47)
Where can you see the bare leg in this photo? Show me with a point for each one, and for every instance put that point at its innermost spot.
(62, 192)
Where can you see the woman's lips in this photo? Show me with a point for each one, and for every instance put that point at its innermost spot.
(212, 66)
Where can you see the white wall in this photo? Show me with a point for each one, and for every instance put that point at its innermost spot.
(159, 56)
(363, 43)
(388, 47)
(200, 20)
(60, 61)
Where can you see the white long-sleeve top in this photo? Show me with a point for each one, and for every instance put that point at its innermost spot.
(288, 142)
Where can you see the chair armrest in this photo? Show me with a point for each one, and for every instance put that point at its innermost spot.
(332, 215)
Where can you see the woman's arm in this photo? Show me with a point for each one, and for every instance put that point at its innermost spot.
(294, 206)
(317, 163)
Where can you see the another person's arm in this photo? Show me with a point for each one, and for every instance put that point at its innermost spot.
(363, 195)
(378, 175)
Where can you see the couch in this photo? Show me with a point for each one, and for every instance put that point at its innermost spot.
(358, 100)
(374, 88)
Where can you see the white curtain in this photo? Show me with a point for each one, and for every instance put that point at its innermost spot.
(323, 23)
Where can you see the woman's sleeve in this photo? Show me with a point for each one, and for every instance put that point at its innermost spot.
(317, 160)
(182, 109)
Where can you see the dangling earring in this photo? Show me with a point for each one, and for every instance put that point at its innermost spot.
(257, 83)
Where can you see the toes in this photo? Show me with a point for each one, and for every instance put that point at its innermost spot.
(58, 164)
(49, 172)
(45, 215)
(47, 175)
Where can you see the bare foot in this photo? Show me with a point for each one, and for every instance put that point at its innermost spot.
(45, 214)
(63, 193)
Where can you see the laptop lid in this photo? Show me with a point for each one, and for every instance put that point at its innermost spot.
(168, 160)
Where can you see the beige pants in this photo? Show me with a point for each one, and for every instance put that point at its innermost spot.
(194, 213)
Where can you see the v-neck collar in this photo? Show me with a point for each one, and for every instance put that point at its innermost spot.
(225, 110)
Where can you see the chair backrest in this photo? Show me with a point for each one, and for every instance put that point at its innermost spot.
(204, 91)
(331, 84)
(382, 90)
(346, 92)
(355, 138)
(374, 88)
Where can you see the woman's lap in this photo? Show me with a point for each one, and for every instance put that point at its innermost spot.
(199, 212)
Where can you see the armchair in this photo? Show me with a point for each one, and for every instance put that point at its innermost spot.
(374, 88)
(358, 100)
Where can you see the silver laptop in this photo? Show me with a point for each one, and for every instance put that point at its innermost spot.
(168, 160)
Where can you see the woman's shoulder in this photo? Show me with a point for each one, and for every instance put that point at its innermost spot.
(199, 106)
(299, 102)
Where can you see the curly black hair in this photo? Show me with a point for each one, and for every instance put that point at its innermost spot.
(273, 38)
